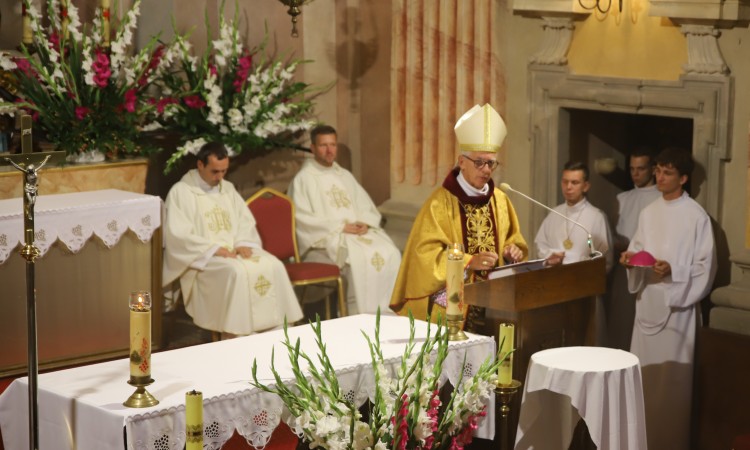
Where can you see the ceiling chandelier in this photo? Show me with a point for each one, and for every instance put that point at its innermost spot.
(294, 11)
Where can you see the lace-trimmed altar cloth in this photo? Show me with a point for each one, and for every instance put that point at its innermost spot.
(73, 218)
(82, 407)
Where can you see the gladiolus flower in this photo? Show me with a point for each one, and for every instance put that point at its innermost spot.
(130, 100)
(101, 69)
(194, 102)
(82, 112)
(24, 66)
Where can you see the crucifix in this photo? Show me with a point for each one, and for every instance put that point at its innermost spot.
(29, 164)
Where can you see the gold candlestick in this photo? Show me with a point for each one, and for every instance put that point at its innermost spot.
(454, 290)
(505, 393)
(141, 398)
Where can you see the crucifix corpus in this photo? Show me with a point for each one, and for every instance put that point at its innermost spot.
(30, 163)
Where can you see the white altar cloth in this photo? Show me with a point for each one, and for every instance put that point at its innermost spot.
(601, 385)
(73, 218)
(82, 408)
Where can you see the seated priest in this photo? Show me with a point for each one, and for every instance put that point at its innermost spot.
(229, 284)
(466, 209)
(338, 223)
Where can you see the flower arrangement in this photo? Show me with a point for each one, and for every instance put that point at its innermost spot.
(232, 95)
(406, 410)
(82, 94)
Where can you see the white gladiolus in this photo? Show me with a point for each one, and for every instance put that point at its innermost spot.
(6, 63)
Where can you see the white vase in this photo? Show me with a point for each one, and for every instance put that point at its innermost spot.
(89, 156)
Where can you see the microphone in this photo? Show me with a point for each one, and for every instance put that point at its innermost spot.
(505, 187)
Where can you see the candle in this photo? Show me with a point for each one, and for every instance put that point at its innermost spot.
(140, 336)
(506, 337)
(28, 36)
(105, 22)
(194, 420)
(454, 280)
(64, 17)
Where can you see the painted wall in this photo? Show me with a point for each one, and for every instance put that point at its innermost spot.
(628, 44)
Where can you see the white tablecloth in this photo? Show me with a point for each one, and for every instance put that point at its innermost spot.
(74, 218)
(82, 407)
(601, 385)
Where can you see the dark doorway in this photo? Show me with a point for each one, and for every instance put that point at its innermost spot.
(597, 136)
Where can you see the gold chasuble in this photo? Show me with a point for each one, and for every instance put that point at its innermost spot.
(481, 223)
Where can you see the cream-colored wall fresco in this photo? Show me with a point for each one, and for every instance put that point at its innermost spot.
(628, 44)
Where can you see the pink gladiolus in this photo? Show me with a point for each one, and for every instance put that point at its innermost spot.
(54, 40)
(130, 100)
(212, 69)
(243, 70)
(101, 69)
(24, 66)
(152, 65)
(162, 104)
(194, 102)
(82, 112)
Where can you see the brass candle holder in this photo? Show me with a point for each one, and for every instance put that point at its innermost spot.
(505, 394)
(141, 398)
(455, 325)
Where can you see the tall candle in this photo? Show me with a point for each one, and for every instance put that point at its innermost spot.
(64, 17)
(194, 420)
(28, 36)
(506, 338)
(140, 336)
(105, 22)
(454, 280)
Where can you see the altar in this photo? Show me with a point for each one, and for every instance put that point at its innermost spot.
(96, 248)
(81, 408)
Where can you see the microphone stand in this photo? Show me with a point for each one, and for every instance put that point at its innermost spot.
(505, 187)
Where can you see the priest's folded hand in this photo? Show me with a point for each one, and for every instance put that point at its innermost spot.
(225, 253)
(244, 252)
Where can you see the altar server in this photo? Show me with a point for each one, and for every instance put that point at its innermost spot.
(338, 223)
(677, 232)
(467, 209)
(621, 303)
(229, 283)
(560, 236)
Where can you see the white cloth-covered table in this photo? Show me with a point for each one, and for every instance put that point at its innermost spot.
(601, 385)
(73, 218)
(82, 407)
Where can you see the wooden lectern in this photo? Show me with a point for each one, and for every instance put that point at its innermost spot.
(550, 307)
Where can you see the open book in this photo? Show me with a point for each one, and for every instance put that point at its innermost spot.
(512, 269)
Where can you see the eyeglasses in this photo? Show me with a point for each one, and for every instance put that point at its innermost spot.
(479, 163)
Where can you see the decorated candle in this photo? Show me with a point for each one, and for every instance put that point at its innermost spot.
(506, 338)
(140, 336)
(64, 18)
(454, 280)
(105, 22)
(193, 420)
(28, 37)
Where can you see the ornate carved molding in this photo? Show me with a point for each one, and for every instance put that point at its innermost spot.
(558, 34)
(704, 56)
(725, 12)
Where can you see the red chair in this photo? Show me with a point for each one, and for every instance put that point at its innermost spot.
(274, 217)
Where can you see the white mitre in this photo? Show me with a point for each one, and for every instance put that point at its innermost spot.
(480, 129)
